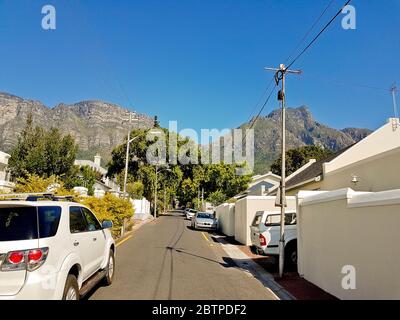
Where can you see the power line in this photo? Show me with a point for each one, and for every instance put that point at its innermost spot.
(296, 47)
(310, 29)
(318, 35)
(259, 113)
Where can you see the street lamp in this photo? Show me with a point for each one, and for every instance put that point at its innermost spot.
(128, 142)
(155, 188)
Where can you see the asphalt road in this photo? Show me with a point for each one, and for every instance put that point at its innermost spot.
(167, 260)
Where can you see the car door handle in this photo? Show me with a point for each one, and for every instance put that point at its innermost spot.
(76, 243)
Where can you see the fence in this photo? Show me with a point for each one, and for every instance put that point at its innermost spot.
(142, 208)
(225, 213)
(348, 242)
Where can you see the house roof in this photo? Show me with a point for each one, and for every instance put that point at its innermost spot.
(313, 171)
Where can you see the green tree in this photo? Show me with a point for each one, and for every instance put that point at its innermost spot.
(42, 152)
(181, 182)
(217, 197)
(296, 158)
(83, 176)
(135, 189)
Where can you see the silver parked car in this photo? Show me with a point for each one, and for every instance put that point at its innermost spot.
(204, 220)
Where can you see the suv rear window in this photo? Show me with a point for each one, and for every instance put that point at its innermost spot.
(275, 219)
(20, 223)
(257, 219)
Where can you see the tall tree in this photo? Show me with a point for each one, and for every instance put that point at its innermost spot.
(296, 158)
(41, 152)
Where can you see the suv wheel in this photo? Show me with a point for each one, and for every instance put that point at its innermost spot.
(110, 268)
(71, 290)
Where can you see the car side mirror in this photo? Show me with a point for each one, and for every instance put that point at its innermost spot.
(107, 224)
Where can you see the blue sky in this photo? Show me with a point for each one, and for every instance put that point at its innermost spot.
(201, 62)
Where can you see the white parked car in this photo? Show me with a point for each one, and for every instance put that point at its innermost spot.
(204, 220)
(265, 235)
(52, 250)
(190, 213)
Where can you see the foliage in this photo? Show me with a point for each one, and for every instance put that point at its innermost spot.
(41, 152)
(296, 158)
(216, 198)
(110, 208)
(135, 189)
(36, 184)
(182, 182)
(83, 176)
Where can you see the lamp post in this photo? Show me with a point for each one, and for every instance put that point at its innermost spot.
(155, 188)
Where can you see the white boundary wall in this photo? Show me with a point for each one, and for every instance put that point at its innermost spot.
(225, 213)
(245, 210)
(347, 228)
(142, 208)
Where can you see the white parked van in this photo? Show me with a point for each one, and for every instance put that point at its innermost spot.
(265, 234)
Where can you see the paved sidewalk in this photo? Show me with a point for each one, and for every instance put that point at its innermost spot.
(291, 287)
(246, 263)
(298, 287)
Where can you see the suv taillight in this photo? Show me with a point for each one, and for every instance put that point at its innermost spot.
(263, 241)
(24, 259)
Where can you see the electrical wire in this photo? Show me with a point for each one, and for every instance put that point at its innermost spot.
(309, 30)
(317, 36)
(254, 119)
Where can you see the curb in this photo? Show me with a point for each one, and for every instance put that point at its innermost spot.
(258, 271)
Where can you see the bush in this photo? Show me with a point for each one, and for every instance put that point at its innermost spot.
(35, 184)
(110, 208)
(217, 198)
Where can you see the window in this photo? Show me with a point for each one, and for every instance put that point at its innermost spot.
(257, 219)
(77, 222)
(49, 218)
(20, 223)
(92, 223)
(275, 219)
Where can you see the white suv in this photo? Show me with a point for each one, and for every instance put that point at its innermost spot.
(265, 235)
(52, 250)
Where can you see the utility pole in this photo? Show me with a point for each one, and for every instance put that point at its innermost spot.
(155, 194)
(155, 188)
(165, 196)
(202, 199)
(281, 197)
(198, 199)
(128, 142)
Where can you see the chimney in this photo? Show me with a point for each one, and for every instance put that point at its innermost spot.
(97, 160)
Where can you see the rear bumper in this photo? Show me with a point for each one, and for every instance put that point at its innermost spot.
(264, 251)
(40, 285)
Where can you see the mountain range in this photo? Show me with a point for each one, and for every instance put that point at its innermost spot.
(302, 129)
(99, 126)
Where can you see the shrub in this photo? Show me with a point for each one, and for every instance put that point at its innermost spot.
(110, 208)
(35, 184)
